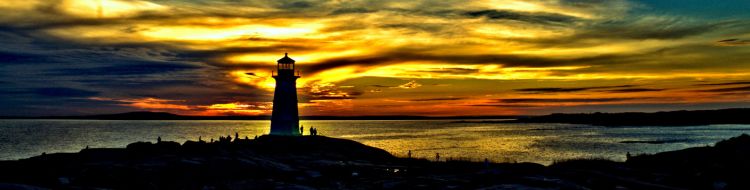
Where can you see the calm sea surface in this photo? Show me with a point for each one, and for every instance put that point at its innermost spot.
(540, 143)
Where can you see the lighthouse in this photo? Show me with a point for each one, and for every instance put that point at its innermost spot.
(285, 116)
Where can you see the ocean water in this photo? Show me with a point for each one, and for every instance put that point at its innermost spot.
(498, 142)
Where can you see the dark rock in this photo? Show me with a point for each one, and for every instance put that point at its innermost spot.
(317, 162)
(10, 186)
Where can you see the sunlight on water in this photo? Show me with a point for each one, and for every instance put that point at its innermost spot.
(541, 143)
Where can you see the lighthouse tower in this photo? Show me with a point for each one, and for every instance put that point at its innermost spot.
(285, 116)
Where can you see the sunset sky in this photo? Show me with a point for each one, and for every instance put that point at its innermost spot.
(380, 57)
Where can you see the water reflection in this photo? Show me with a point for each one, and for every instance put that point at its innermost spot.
(541, 143)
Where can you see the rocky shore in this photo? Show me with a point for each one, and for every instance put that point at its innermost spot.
(316, 162)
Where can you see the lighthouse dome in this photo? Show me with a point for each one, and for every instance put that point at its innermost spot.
(286, 59)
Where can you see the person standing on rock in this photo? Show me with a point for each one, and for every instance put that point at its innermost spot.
(437, 157)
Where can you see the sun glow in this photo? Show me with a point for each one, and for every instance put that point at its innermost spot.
(236, 108)
(108, 8)
(302, 58)
(195, 33)
(259, 78)
(149, 103)
(531, 6)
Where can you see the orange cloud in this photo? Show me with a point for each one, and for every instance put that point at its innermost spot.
(149, 103)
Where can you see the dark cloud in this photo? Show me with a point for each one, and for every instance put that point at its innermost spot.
(574, 89)
(584, 3)
(457, 71)
(695, 58)
(724, 83)
(63, 92)
(53, 105)
(506, 105)
(545, 90)
(340, 62)
(382, 86)
(59, 92)
(649, 28)
(640, 27)
(25, 101)
(137, 83)
(423, 27)
(16, 57)
(507, 60)
(628, 90)
(733, 42)
(540, 18)
(216, 56)
(296, 4)
(733, 89)
(131, 69)
(436, 99)
(353, 10)
(564, 100)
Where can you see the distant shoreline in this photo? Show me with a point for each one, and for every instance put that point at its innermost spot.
(668, 118)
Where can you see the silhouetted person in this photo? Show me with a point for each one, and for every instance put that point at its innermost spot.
(158, 139)
(408, 154)
(627, 155)
(236, 136)
(199, 139)
(312, 131)
(212, 140)
(437, 157)
(302, 130)
(229, 138)
(246, 138)
(87, 146)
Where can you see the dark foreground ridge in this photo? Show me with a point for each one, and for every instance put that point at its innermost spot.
(670, 118)
(316, 162)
